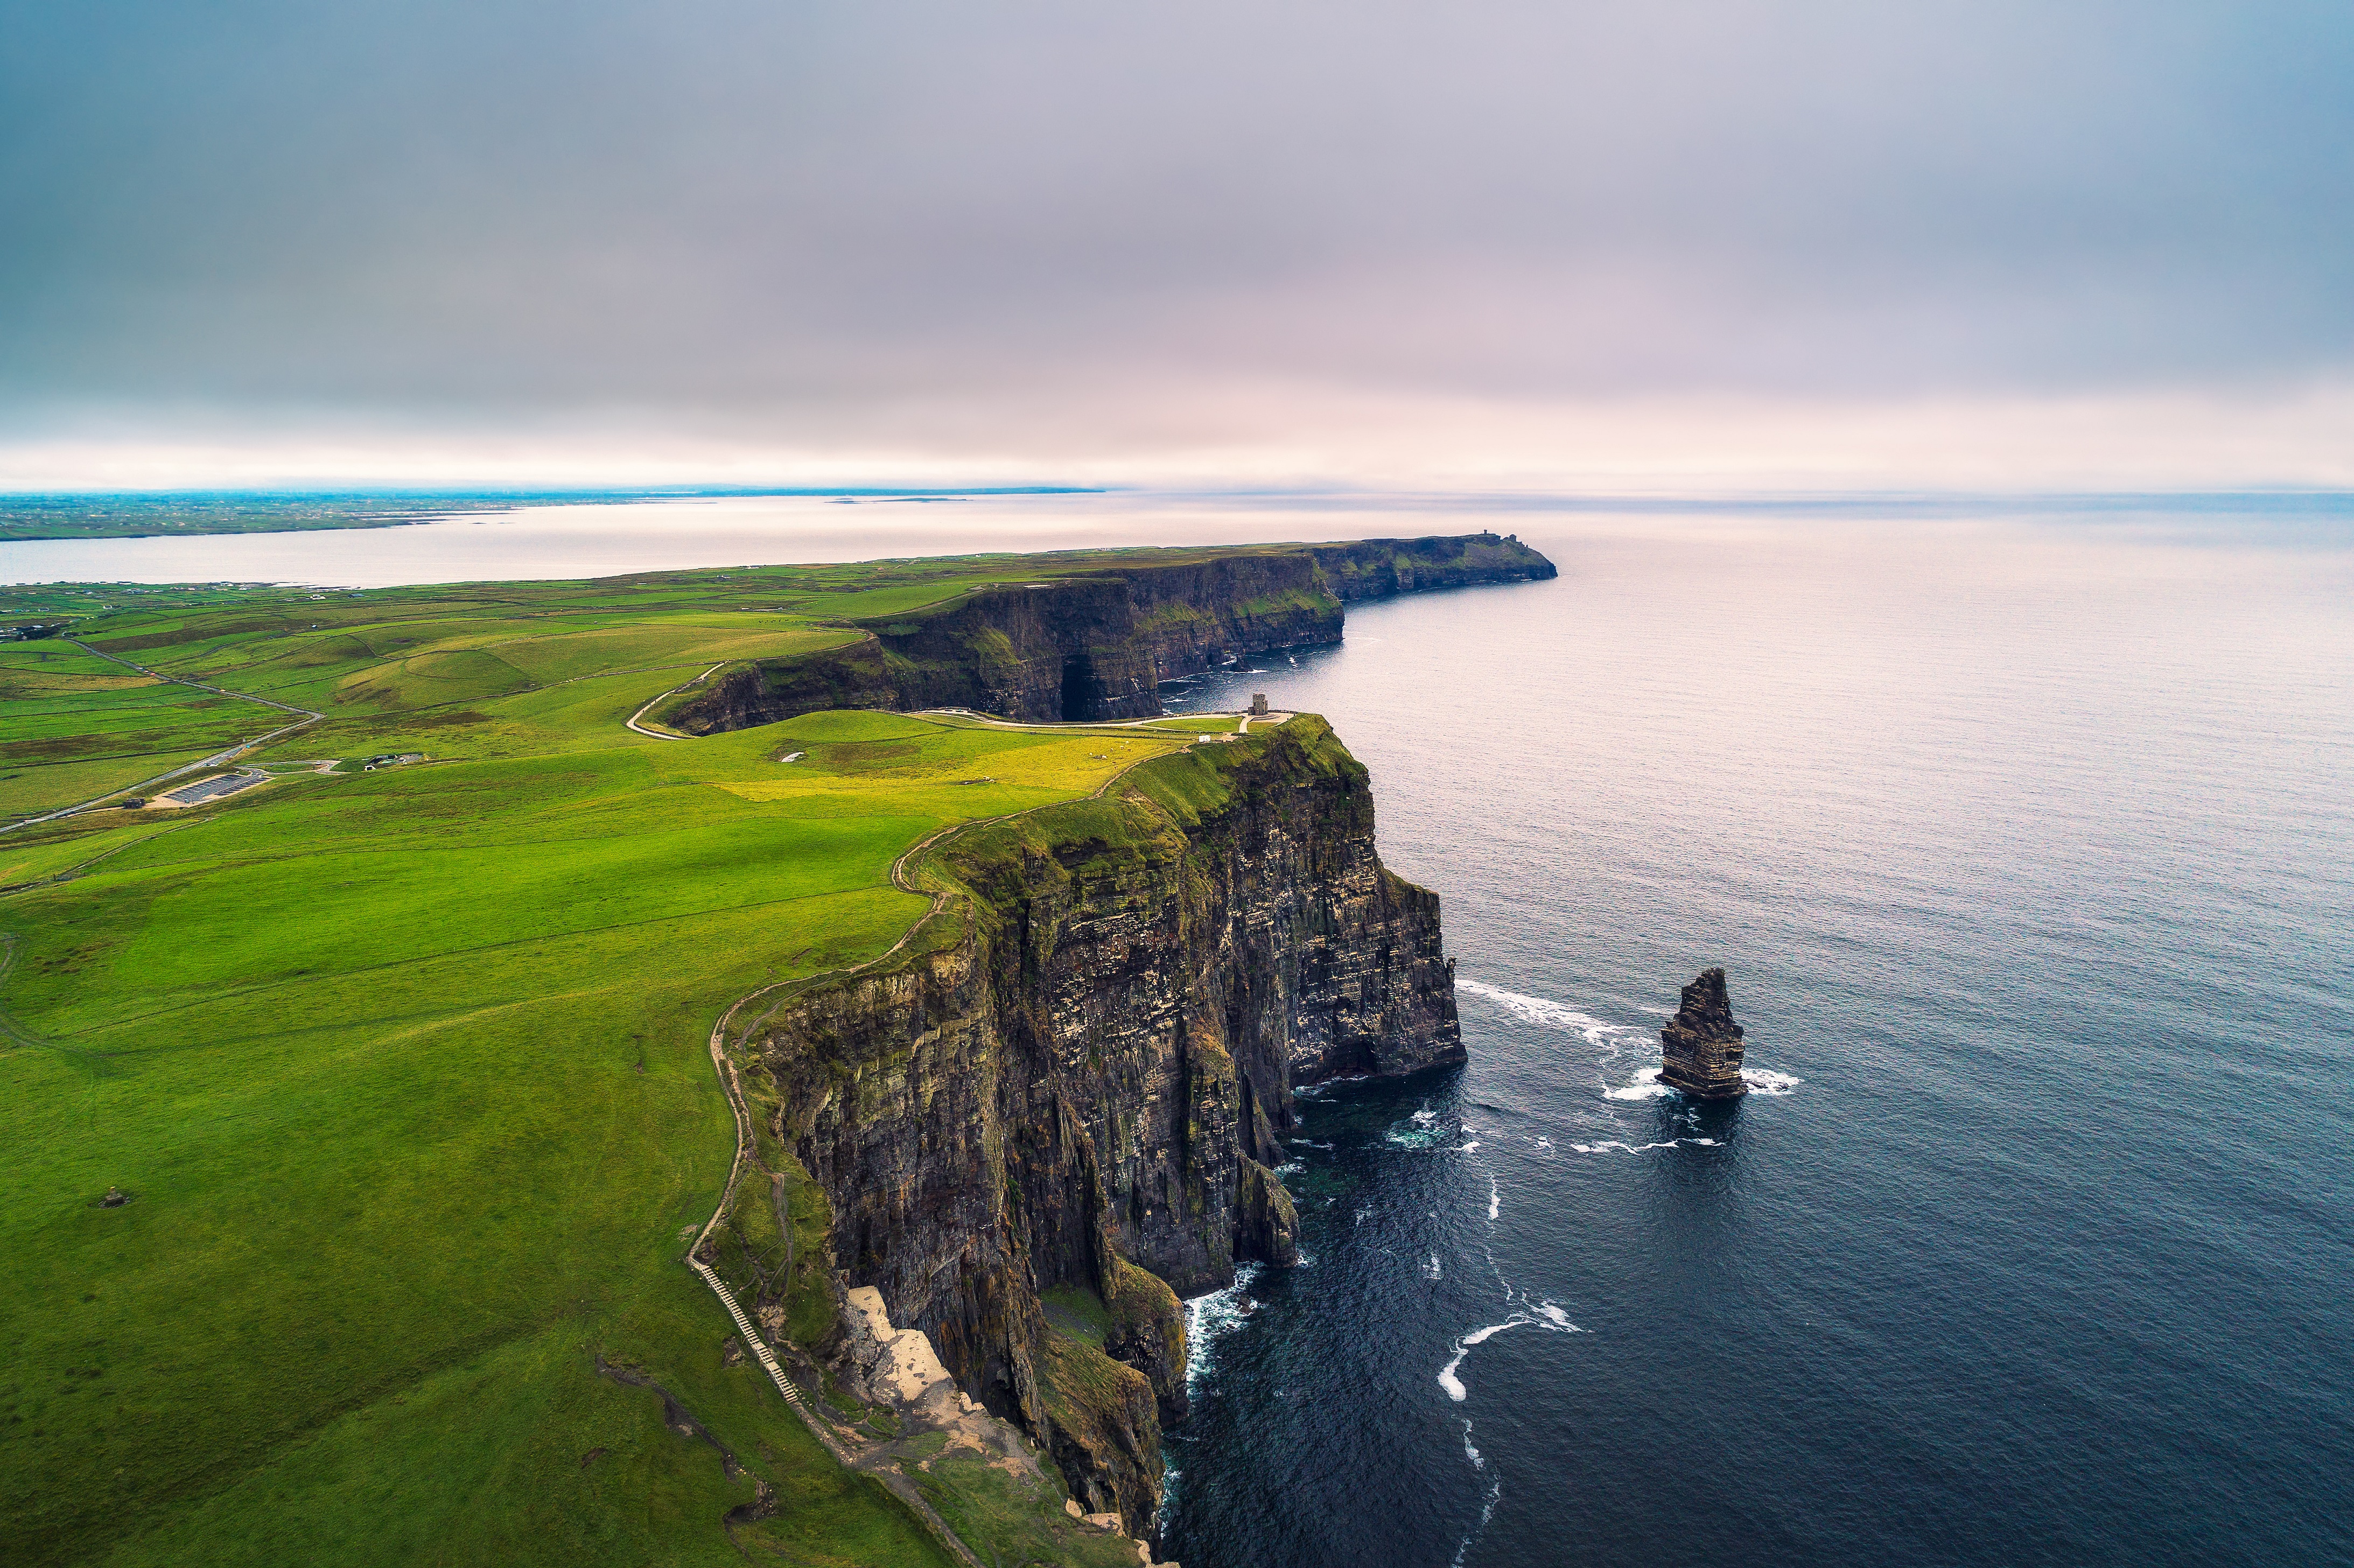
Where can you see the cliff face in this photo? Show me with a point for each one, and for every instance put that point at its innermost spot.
(1086, 1070)
(1383, 568)
(1097, 646)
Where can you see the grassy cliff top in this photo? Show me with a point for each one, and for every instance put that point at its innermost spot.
(404, 1073)
(475, 669)
(400, 1055)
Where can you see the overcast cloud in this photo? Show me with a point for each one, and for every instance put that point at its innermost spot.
(1111, 226)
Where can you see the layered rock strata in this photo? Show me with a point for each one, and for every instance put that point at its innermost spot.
(1098, 645)
(1700, 1046)
(1075, 1081)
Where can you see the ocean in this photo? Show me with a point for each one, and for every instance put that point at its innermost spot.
(2028, 850)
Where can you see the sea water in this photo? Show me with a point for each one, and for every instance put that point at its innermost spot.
(2028, 850)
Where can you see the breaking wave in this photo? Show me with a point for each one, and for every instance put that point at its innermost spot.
(1210, 1317)
(1644, 1085)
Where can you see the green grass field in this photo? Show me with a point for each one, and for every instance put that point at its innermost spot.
(404, 1072)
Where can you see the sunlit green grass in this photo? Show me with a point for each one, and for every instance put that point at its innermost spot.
(406, 1074)
(73, 725)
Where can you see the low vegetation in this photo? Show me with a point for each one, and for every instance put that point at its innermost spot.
(404, 1074)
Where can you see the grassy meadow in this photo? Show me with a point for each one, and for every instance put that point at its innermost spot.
(405, 1073)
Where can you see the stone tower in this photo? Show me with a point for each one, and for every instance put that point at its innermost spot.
(1700, 1046)
(1259, 704)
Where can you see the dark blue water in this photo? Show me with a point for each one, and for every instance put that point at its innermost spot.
(2030, 854)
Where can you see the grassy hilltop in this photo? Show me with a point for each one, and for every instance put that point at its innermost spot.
(404, 1071)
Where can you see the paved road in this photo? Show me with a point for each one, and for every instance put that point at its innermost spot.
(217, 759)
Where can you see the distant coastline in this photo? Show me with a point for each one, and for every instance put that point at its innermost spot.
(143, 515)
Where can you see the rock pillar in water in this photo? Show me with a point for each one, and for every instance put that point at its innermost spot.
(1700, 1046)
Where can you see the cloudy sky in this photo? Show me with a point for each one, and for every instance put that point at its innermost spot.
(1683, 242)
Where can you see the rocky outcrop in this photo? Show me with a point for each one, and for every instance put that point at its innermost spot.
(1096, 645)
(1700, 1046)
(1078, 1075)
(1383, 568)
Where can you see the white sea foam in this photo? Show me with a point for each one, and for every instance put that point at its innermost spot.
(1210, 1317)
(1430, 1270)
(1762, 1082)
(1470, 1452)
(1495, 1199)
(1544, 1143)
(1644, 1085)
(1608, 1144)
(1548, 1317)
(1553, 1014)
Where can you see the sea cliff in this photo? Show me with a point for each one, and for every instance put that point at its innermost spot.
(1095, 645)
(1059, 1106)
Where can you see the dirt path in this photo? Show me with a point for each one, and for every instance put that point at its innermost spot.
(631, 722)
(217, 759)
(877, 1464)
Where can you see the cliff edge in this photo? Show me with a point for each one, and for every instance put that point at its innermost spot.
(1060, 1107)
(1096, 644)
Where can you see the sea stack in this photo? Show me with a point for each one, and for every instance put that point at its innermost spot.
(1700, 1046)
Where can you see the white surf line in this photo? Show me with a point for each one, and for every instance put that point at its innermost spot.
(1486, 1512)
(1547, 1315)
(631, 722)
(1614, 1040)
(1610, 1143)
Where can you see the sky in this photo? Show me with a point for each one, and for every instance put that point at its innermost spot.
(1684, 244)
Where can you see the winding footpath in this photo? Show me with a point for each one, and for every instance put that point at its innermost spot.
(724, 1066)
(631, 722)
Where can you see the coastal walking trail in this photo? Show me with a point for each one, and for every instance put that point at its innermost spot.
(631, 722)
(724, 1066)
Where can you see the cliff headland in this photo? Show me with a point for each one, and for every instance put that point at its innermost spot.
(1096, 644)
(1077, 1080)
(404, 1074)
